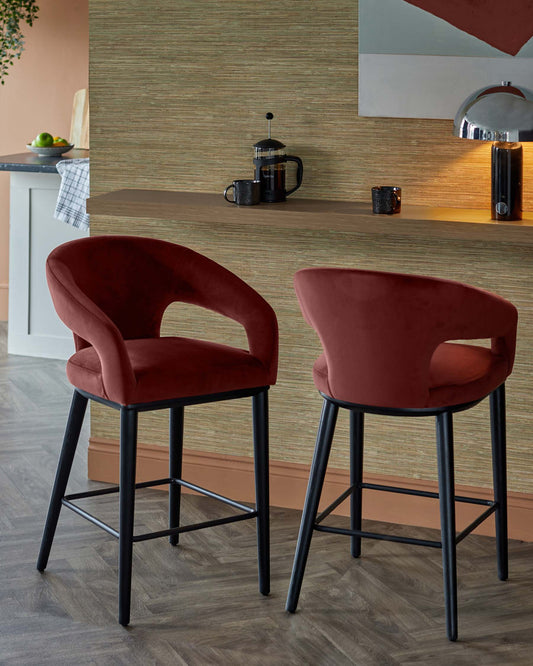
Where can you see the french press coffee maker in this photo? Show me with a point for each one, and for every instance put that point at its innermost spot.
(270, 166)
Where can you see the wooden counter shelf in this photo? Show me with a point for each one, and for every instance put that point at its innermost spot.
(342, 216)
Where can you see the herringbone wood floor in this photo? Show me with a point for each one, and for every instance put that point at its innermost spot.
(198, 604)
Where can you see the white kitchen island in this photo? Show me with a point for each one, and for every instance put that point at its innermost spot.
(34, 329)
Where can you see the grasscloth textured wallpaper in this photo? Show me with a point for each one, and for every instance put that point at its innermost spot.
(179, 89)
(178, 96)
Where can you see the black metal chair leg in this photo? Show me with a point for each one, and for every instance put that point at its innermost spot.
(128, 454)
(447, 519)
(312, 499)
(70, 441)
(262, 499)
(175, 469)
(356, 477)
(499, 472)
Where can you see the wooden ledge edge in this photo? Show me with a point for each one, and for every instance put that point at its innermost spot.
(317, 215)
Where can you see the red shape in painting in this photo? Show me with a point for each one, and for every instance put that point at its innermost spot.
(505, 24)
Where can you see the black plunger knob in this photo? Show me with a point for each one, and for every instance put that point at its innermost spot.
(269, 116)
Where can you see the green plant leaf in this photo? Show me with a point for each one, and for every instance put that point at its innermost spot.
(13, 13)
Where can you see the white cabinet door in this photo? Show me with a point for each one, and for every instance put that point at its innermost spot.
(34, 329)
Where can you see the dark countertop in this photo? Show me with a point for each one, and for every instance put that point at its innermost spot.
(31, 162)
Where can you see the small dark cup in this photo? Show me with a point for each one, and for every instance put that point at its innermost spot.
(245, 192)
(386, 200)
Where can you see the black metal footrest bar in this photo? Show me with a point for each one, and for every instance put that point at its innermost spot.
(476, 522)
(115, 489)
(492, 506)
(210, 493)
(402, 491)
(377, 535)
(424, 493)
(334, 505)
(162, 482)
(248, 511)
(195, 526)
(89, 516)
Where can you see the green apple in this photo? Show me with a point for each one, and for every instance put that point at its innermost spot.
(44, 140)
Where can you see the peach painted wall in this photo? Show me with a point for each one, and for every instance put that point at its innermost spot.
(37, 95)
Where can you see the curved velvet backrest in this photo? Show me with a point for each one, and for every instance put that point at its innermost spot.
(108, 289)
(379, 330)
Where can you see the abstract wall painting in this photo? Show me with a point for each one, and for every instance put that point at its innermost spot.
(422, 58)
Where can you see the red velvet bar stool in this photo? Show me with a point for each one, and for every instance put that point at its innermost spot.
(387, 350)
(112, 292)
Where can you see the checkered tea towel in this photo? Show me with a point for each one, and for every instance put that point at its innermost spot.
(74, 191)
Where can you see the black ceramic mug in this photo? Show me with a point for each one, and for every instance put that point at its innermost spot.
(386, 200)
(245, 192)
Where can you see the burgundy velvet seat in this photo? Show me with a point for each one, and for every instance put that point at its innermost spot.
(388, 342)
(112, 292)
(166, 367)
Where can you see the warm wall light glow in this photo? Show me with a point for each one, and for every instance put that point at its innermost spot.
(469, 166)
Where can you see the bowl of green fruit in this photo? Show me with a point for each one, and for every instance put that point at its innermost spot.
(47, 145)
